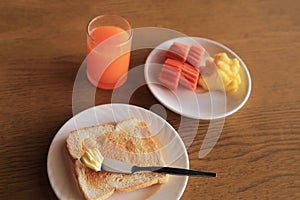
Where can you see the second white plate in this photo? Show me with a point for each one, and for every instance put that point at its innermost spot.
(196, 104)
(59, 167)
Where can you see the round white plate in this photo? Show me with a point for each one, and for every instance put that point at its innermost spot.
(196, 104)
(60, 167)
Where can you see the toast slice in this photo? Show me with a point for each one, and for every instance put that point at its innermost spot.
(129, 141)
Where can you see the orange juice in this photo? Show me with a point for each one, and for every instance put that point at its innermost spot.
(108, 62)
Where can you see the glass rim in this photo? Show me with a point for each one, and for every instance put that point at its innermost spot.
(108, 15)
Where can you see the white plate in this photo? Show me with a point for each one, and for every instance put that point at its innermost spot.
(196, 104)
(59, 166)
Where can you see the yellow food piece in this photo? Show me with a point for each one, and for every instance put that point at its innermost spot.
(223, 57)
(227, 70)
(93, 159)
(226, 77)
(235, 66)
(202, 83)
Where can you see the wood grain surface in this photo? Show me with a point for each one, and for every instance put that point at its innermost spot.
(42, 44)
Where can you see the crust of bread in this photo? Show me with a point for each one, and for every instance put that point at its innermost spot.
(129, 141)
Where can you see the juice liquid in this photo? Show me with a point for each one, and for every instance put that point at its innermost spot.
(109, 61)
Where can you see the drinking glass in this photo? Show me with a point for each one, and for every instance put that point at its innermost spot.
(108, 47)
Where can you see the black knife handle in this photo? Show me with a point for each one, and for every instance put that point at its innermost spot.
(174, 171)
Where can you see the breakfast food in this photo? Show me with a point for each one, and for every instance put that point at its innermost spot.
(182, 67)
(128, 141)
(92, 158)
(226, 69)
(170, 73)
(195, 55)
(177, 51)
(189, 76)
(209, 68)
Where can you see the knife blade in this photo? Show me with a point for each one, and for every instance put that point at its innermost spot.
(111, 165)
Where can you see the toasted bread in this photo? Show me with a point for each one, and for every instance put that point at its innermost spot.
(129, 141)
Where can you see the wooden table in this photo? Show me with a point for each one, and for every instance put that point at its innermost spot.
(42, 44)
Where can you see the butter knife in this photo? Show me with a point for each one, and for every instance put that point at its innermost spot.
(111, 165)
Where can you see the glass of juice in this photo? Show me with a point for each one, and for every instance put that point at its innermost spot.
(108, 47)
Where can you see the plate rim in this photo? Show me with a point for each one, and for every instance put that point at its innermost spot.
(186, 156)
(249, 88)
